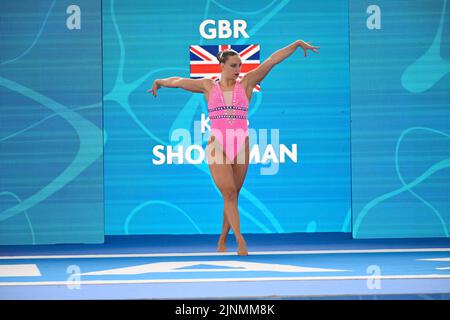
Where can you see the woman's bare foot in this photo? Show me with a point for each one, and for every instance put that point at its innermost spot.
(242, 248)
(221, 245)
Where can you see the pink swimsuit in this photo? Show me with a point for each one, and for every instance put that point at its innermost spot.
(229, 123)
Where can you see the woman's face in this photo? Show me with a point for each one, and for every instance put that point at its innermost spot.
(232, 67)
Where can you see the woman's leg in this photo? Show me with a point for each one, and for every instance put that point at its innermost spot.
(239, 174)
(223, 177)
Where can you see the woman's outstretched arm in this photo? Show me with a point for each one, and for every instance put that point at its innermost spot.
(257, 75)
(192, 85)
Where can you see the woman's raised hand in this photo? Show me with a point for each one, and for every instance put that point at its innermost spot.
(307, 46)
(154, 88)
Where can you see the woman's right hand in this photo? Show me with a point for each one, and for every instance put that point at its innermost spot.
(155, 87)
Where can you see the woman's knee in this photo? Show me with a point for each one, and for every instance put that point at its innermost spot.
(229, 193)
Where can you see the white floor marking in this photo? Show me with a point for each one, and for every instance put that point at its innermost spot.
(19, 270)
(106, 282)
(209, 254)
(175, 267)
(435, 259)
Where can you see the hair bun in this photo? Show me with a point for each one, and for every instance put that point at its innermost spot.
(223, 55)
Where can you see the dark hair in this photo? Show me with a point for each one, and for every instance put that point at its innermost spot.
(222, 56)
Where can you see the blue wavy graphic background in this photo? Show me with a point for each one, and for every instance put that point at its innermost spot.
(307, 99)
(51, 143)
(59, 121)
(401, 120)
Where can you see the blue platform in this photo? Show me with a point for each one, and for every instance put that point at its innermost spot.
(279, 266)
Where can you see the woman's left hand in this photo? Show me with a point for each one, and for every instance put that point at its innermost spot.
(307, 46)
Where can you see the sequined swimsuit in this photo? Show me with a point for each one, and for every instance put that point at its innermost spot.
(229, 122)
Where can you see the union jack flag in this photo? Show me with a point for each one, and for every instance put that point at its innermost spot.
(204, 64)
